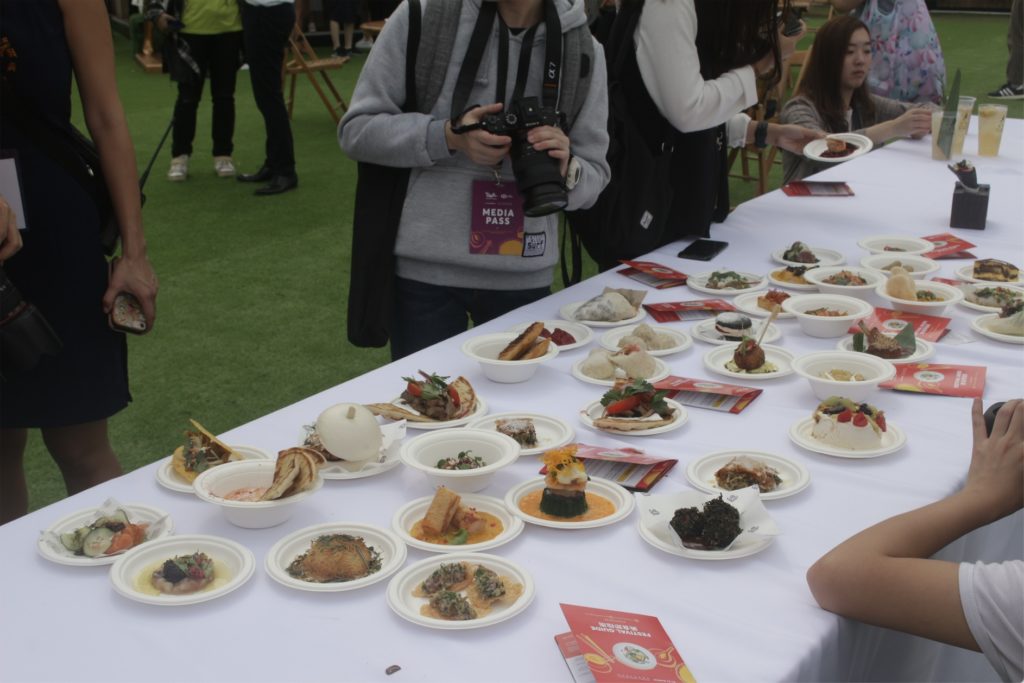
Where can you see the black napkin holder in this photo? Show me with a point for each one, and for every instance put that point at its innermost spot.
(970, 207)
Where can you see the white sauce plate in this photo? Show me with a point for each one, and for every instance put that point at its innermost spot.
(552, 432)
(705, 331)
(699, 283)
(595, 410)
(826, 257)
(479, 411)
(790, 285)
(620, 498)
(747, 303)
(975, 286)
(137, 513)
(795, 477)
(966, 273)
(610, 339)
(567, 312)
(390, 456)
(579, 331)
(800, 434)
(815, 148)
(980, 325)
(716, 358)
(169, 479)
(413, 511)
(923, 350)
(660, 373)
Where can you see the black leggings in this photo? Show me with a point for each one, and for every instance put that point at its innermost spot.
(216, 55)
(266, 37)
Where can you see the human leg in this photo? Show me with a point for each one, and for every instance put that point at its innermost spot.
(423, 315)
(83, 453)
(13, 489)
(224, 52)
(190, 92)
(1015, 39)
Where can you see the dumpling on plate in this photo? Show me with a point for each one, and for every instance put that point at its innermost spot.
(606, 307)
(655, 341)
(635, 297)
(598, 365)
(633, 340)
(635, 362)
(1010, 320)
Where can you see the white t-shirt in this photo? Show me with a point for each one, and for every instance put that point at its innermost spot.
(992, 596)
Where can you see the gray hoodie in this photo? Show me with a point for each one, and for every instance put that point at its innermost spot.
(434, 234)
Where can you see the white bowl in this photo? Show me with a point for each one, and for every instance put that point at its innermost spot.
(486, 348)
(875, 370)
(823, 326)
(219, 481)
(818, 276)
(877, 244)
(951, 295)
(923, 267)
(496, 450)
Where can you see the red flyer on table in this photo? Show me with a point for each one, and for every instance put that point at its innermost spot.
(927, 327)
(947, 281)
(621, 646)
(674, 311)
(948, 245)
(653, 274)
(817, 188)
(966, 381)
(705, 393)
(630, 468)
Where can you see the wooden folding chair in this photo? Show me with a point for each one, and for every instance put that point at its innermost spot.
(304, 60)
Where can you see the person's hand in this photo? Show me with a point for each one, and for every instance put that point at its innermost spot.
(135, 276)
(997, 460)
(787, 44)
(478, 145)
(913, 123)
(555, 141)
(10, 236)
(790, 137)
(163, 22)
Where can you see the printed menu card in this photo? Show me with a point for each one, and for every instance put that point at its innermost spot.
(927, 327)
(674, 311)
(936, 378)
(705, 393)
(948, 245)
(817, 188)
(653, 274)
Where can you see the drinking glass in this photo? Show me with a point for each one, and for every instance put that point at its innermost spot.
(991, 118)
(963, 122)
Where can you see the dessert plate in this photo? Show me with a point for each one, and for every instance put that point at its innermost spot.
(406, 605)
(716, 358)
(922, 351)
(413, 511)
(699, 283)
(896, 246)
(620, 498)
(966, 273)
(479, 411)
(808, 287)
(660, 373)
(551, 431)
(975, 286)
(581, 332)
(815, 149)
(391, 548)
(705, 331)
(595, 409)
(389, 459)
(747, 303)
(610, 340)
(800, 434)
(51, 548)
(980, 325)
(568, 310)
(795, 477)
(826, 257)
(169, 479)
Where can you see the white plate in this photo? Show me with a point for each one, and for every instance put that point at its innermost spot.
(815, 148)
(747, 303)
(169, 479)
(551, 431)
(826, 257)
(610, 339)
(979, 325)
(392, 554)
(699, 282)
(966, 273)
(595, 409)
(479, 411)
(413, 511)
(790, 285)
(800, 434)
(137, 512)
(390, 457)
(234, 557)
(705, 331)
(661, 373)
(407, 606)
(716, 358)
(923, 351)
(795, 477)
(620, 497)
(567, 313)
(581, 332)
(912, 246)
(979, 285)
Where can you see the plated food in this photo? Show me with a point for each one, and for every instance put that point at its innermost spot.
(713, 332)
(919, 267)
(845, 280)
(760, 304)
(896, 244)
(799, 253)
(533, 432)
(792, 277)
(614, 306)
(713, 526)
(97, 536)
(201, 451)
(826, 315)
(450, 522)
(846, 428)
(838, 147)
(634, 406)
(481, 453)
(433, 402)
(656, 341)
(565, 334)
(605, 367)
(990, 270)
(509, 358)
(763, 360)
(854, 375)
(986, 297)
(725, 282)
(1006, 326)
(917, 296)
(346, 432)
(167, 477)
(774, 475)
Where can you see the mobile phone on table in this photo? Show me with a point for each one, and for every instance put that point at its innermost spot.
(126, 315)
(702, 250)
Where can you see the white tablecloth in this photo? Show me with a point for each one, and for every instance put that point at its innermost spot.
(743, 620)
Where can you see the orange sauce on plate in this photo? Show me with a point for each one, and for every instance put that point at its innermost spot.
(492, 527)
(597, 507)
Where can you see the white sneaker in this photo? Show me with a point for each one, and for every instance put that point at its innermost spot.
(224, 166)
(365, 44)
(179, 168)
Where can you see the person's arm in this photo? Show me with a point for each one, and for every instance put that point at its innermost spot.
(87, 29)
(883, 576)
(10, 236)
(897, 120)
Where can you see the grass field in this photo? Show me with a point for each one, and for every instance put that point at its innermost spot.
(253, 289)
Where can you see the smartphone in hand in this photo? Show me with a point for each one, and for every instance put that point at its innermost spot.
(702, 250)
(126, 315)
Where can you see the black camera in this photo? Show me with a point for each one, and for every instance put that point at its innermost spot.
(538, 176)
(24, 333)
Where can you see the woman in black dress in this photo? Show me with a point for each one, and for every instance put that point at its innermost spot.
(61, 268)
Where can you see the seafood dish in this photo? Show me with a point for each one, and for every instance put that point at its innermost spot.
(630, 361)
(202, 450)
(646, 338)
(845, 278)
(733, 326)
(994, 270)
(743, 471)
(449, 522)
(847, 424)
(183, 575)
(728, 279)
(1010, 320)
(992, 297)
(107, 535)
(712, 528)
(460, 591)
(529, 344)
(799, 252)
(611, 305)
(635, 405)
(521, 429)
(334, 558)
(465, 460)
(771, 299)
(877, 343)
(345, 432)
(792, 274)
(749, 358)
(432, 399)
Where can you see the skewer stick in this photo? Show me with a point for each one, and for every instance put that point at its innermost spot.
(767, 324)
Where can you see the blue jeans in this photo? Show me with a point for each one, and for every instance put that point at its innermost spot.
(425, 314)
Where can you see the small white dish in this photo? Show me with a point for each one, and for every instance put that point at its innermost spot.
(413, 511)
(495, 449)
(950, 295)
(969, 288)
(620, 498)
(579, 331)
(705, 331)
(479, 410)
(485, 349)
(661, 373)
(777, 282)
(406, 605)
(219, 481)
(966, 273)
(610, 339)
(923, 350)
(821, 326)
(747, 303)
(391, 548)
(230, 558)
(816, 149)
(391, 447)
(552, 432)
(826, 257)
(818, 277)
(699, 283)
(169, 479)
(980, 325)
(896, 245)
(595, 410)
(922, 266)
(568, 312)
(137, 514)
(716, 358)
(800, 433)
(875, 370)
(795, 477)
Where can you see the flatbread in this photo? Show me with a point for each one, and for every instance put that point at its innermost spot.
(626, 424)
(522, 344)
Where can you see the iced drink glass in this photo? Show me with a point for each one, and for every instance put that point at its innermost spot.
(963, 122)
(991, 118)
(936, 127)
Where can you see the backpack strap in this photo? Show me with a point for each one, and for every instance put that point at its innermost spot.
(577, 58)
(412, 43)
(441, 22)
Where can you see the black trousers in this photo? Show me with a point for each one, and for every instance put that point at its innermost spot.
(217, 56)
(266, 37)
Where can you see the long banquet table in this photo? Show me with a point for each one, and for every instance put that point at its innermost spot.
(742, 620)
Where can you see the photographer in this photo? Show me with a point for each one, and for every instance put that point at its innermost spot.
(467, 246)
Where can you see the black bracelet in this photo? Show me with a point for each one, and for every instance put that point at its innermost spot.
(761, 135)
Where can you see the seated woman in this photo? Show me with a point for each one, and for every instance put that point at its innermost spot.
(833, 96)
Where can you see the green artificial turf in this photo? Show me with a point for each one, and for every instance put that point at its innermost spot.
(253, 289)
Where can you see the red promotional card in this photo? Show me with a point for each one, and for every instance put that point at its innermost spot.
(621, 646)
(673, 312)
(703, 393)
(927, 327)
(653, 274)
(943, 380)
(947, 281)
(817, 188)
(948, 245)
(630, 468)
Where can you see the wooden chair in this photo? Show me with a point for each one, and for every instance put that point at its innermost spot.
(303, 60)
